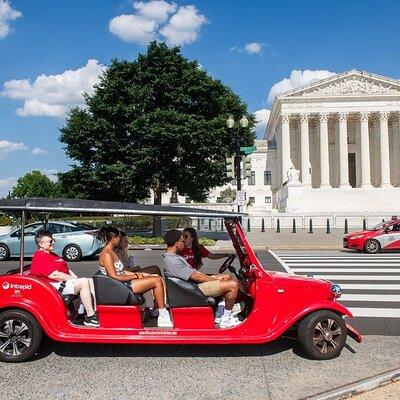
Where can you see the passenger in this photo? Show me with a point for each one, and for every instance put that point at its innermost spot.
(213, 286)
(121, 250)
(194, 252)
(138, 282)
(49, 265)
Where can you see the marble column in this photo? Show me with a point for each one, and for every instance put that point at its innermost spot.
(305, 150)
(384, 149)
(285, 146)
(343, 152)
(365, 161)
(324, 150)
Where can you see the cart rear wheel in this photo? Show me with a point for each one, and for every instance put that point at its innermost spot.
(322, 334)
(20, 336)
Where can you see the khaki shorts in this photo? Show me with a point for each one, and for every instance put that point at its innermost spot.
(211, 288)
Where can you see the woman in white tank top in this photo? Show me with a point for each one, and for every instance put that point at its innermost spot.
(139, 282)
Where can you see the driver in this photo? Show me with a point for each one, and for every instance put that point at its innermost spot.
(213, 286)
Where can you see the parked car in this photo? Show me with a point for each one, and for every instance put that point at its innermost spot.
(73, 241)
(275, 302)
(384, 236)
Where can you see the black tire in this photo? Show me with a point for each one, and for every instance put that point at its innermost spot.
(322, 334)
(372, 246)
(24, 336)
(4, 252)
(72, 253)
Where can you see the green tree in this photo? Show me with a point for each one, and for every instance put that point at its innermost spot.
(35, 184)
(157, 122)
(227, 195)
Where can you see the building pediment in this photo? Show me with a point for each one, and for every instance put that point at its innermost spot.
(348, 84)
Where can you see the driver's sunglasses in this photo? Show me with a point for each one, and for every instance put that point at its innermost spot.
(51, 241)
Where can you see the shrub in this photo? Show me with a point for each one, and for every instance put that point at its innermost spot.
(160, 240)
(5, 220)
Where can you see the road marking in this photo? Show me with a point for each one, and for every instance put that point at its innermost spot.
(359, 277)
(284, 265)
(375, 312)
(370, 297)
(367, 286)
(393, 270)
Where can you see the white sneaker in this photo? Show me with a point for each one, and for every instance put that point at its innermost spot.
(237, 308)
(164, 321)
(229, 322)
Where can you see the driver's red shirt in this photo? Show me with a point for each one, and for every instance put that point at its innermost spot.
(43, 264)
(188, 254)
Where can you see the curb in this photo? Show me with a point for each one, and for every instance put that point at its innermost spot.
(362, 386)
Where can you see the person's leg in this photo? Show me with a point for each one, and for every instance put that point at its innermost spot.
(154, 283)
(153, 269)
(229, 290)
(91, 284)
(82, 287)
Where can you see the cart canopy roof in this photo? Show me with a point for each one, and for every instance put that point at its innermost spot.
(42, 204)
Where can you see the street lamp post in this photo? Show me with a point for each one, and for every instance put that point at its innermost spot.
(244, 123)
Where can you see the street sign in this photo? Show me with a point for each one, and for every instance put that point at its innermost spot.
(248, 150)
(241, 198)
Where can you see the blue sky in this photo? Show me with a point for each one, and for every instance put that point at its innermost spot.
(50, 51)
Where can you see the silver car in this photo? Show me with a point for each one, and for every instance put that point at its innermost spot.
(73, 241)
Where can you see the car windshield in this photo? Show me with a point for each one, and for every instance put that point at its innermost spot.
(84, 227)
(377, 227)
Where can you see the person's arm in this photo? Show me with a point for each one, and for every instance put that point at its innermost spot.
(217, 256)
(108, 265)
(60, 276)
(72, 274)
(199, 277)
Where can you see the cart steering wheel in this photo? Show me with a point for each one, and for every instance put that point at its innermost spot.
(227, 263)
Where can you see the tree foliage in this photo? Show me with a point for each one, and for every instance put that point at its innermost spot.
(227, 195)
(35, 184)
(156, 122)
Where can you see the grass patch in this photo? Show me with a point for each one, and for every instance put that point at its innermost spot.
(160, 240)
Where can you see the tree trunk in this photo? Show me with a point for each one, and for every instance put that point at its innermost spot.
(157, 220)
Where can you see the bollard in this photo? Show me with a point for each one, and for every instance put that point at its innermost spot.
(209, 224)
(328, 228)
(364, 224)
(383, 219)
(222, 224)
(278, 226)
(310, 230)
(262, 225)
(346, 228)
(198, 224)
(248, 225)
(294, 225)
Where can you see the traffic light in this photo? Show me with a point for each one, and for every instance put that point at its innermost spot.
(230, 167)
(246, 167)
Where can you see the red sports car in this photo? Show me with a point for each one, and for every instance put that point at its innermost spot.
(384, 236)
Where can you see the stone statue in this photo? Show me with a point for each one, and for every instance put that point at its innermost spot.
(293, 174)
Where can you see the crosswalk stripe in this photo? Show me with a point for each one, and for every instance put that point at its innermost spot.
(370, 297)
(359, 277)
(393, 270)
(366, 286)
(375, 312)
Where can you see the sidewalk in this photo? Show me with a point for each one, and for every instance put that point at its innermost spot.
(390, 391)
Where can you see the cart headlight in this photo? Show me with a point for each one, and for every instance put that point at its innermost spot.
(356, 237)
(336, 290)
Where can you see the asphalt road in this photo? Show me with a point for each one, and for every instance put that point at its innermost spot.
(277, 370)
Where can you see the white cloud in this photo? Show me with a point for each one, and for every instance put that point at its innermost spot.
(7, 147)
(297, 78)
(253, 48)
(133, 28)
(51, 173)
(54, 95)
(262, 117)
(7, 14)
(179, 26)
(184, 26)
(37, 151)
(6, 185)
(157, 10)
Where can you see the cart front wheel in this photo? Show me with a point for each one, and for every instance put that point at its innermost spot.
(20, 336)
(322, 334)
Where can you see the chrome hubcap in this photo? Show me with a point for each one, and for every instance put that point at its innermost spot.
(2, 252)
(72, 253)
(372, 246)
(15, 337)
(327, 335)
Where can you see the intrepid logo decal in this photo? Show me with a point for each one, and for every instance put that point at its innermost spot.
(7, 286)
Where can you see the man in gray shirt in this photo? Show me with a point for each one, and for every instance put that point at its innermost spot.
(214, 285)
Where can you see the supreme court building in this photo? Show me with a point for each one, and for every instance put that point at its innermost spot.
(338, 145)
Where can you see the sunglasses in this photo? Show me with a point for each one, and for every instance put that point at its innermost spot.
(51, 241)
